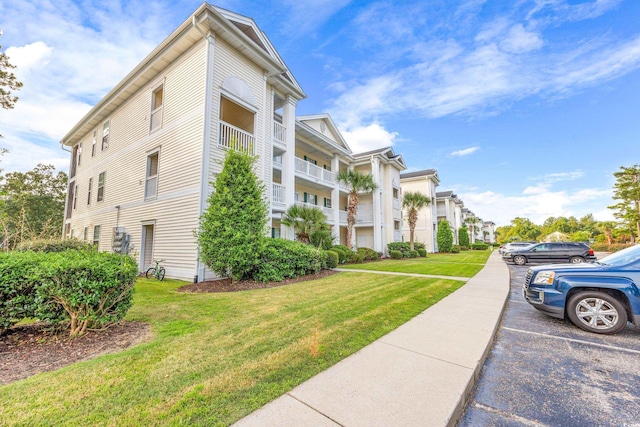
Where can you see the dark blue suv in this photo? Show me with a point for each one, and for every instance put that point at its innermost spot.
(598, 297)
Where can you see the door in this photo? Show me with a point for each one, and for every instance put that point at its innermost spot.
(146, 251)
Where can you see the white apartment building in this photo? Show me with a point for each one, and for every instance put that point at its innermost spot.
(449, 208)
(425, 182)
(143, 159)
(489, 231)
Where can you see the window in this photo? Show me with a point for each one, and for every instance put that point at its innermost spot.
(101, 179)
(156, 108)
(85, 234)
(89, 192)
(75, 196)
(105, 135)
(310, 160)
(275, 232)
(396, 193)
(396, 225)
(93, 143)
(327, 203)
(79, 152)
(151, 186)
(96, 235)
(310, 198)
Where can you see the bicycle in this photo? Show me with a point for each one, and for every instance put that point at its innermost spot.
(157, 271)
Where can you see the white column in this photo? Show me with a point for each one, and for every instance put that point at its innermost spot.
(335, 197)
(377, 205)
(288, 158)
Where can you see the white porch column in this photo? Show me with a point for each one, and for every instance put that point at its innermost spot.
(377, 205)
(288, 159)
(335, 197)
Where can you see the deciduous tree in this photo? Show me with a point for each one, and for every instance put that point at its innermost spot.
(8, 82)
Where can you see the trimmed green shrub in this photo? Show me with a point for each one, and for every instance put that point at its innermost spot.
(463, 237)
(342, 248)
(418, 245)
(355, 257)
(283, 259)
(464, 248)
(321, 238)
(231, 236)
(342, 255)
(479, 246)
(455, 249)
(369, 254)
(54, 245)
(615, 247)
(412, 254)
(330, 259)
(421, 252)
(398, 246)
(444, 236)
(395, 254)
(84, 289)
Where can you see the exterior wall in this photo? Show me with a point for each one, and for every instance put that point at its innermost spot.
(174, 211)
(426, 227)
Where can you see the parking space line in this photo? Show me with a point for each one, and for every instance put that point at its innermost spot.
(507, 415)
(609, 347)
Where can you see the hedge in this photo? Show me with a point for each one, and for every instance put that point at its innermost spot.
(331, 259)
(81, 289)
(479, 246)
(395, 254)
(283, 259)
(54, 245)
(369, 254)
(422, 252)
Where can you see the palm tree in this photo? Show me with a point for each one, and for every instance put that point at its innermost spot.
(472, 221)
(357, 182)
(304, 220)
(413, 202)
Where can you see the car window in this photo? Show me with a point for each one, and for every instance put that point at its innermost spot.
(543, 247)
(623, 257)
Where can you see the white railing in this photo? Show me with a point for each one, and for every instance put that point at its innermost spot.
(364, 216)
(397, 236)
(277, 193)
(316, 172)
(277, 160)
(236, 138)
(396, 203)
(279, 133)
(343, 216)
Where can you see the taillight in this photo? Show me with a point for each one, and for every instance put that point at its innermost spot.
(590, 251)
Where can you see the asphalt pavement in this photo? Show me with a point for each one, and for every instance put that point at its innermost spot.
(544, 371)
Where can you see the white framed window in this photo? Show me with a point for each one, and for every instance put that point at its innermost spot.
(89, 192)
(327, 203)
(157, 98)
(311, 198)
(105, 135)
(79, 153)
(96, 235)
(396, 225)
(101, 182)
(93, 143)
(85, 234)
(396, 193)
(151, 184)
(75, 196)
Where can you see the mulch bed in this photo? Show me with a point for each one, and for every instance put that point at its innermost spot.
(31, 349)
(225, 285)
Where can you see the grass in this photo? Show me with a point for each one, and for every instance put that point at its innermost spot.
(217, 357)
(463, 264)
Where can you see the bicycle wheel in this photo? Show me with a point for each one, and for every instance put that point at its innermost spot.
(151, 271)
(161, 273)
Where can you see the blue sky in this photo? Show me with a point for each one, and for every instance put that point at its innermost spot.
(525, 107)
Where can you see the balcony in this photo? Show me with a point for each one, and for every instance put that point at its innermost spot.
(343, 217)
(364, 216)
(396, 204)
(279, 134)
(236, 138)
(277, 193)
(397, 236)
(314, 173)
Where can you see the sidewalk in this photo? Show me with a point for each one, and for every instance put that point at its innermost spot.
(418, 375)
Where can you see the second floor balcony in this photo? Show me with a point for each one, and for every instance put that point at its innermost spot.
(236, 138)
(314, 173)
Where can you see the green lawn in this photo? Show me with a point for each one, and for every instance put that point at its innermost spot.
(217, 357)
(463, 264)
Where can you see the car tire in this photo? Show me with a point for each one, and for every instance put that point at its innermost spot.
(519, 260)
(576, 260)
(597, 312)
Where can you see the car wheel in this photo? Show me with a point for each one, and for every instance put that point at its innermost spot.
(576, 260)
(597, 312)
(519, 260)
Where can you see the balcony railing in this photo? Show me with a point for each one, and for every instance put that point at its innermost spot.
(364, 216)
(314, 172)
(236, 138)
(397, 236)
(396, 203)
(279, 133)
(277, 193)
(343, 217)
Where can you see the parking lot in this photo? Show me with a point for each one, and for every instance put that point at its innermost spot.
(546, 372)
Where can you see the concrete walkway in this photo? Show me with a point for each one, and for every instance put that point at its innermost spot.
(418, 375)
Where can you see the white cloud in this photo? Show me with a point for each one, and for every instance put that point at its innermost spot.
(465, 152)
(305, 16)
(366, 138)
(519, 40)
(30, 56)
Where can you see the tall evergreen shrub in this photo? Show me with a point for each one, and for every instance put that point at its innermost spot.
(232, 229)
(463, 236)
(444, 237)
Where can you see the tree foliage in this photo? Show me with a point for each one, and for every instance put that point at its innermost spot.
(306, 221)
(232, 229)
(32, 205)
(463, 237)
(8, 82)
(413, 202)
(444, 237)
(357, 182)
(627, 191)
